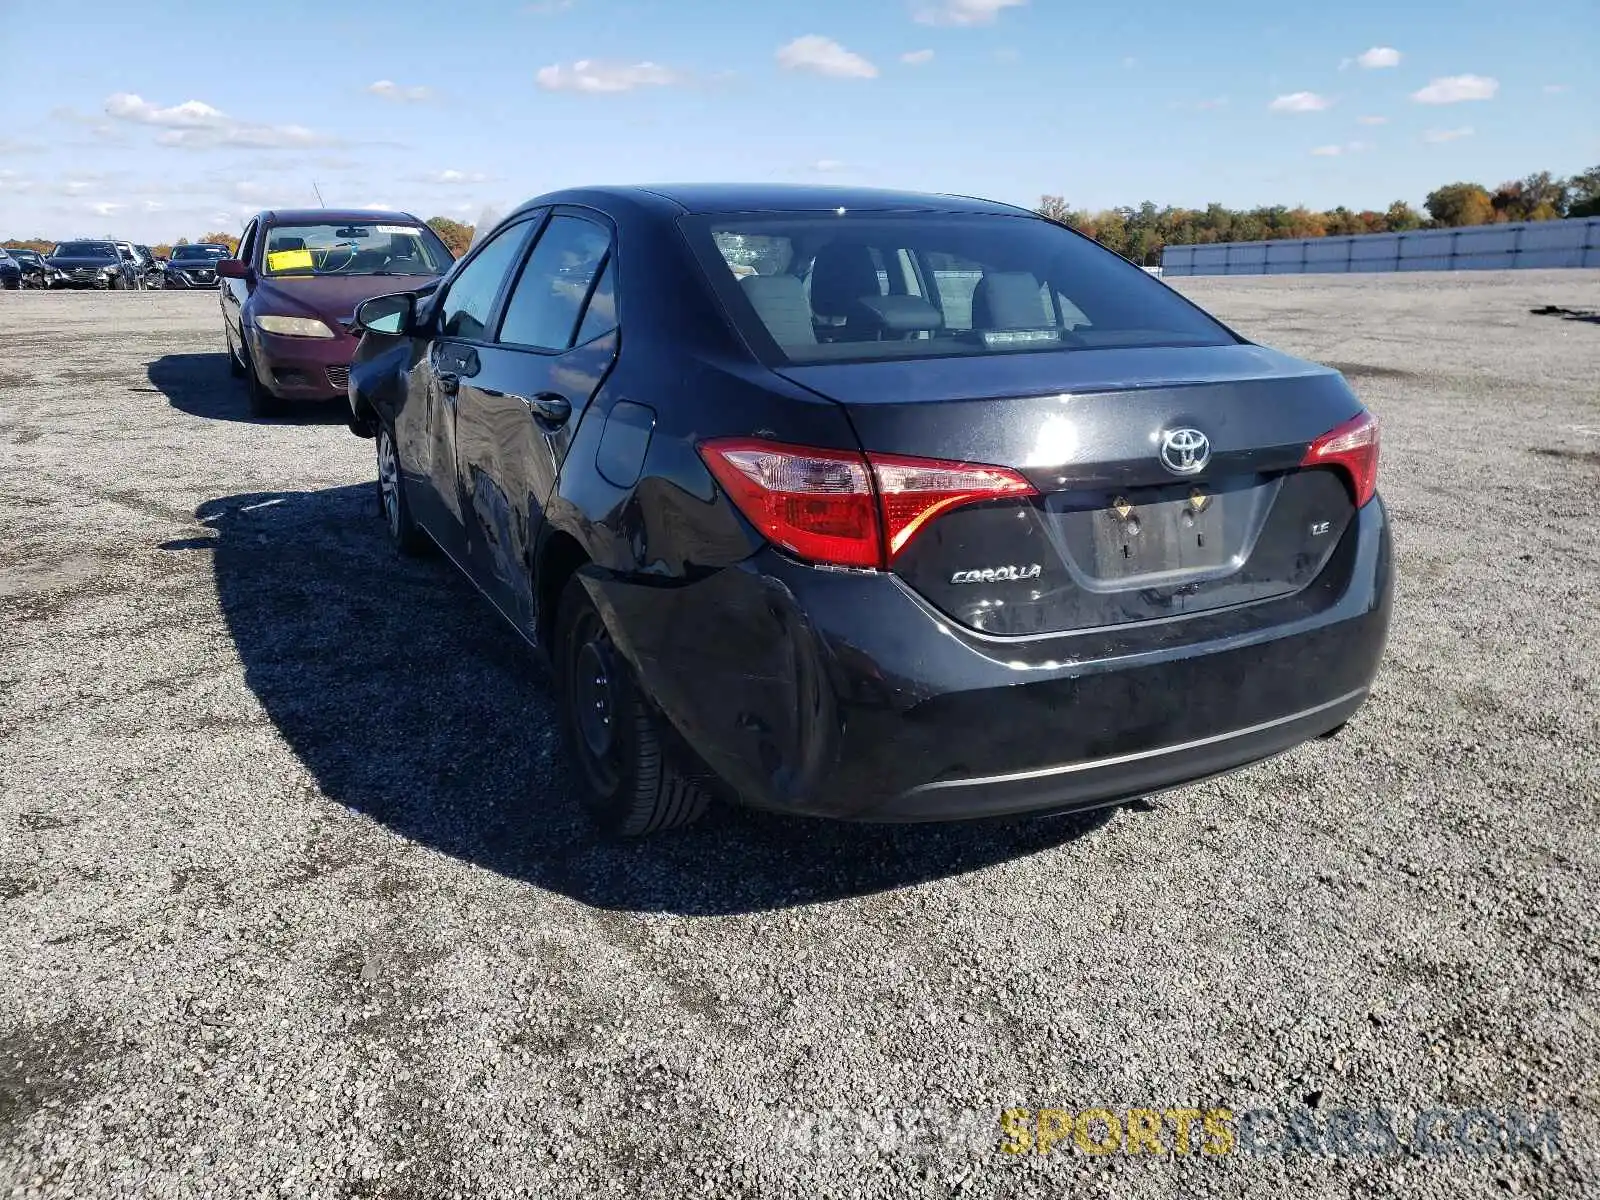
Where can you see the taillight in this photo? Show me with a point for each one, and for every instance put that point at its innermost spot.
(1354, 447)
(915, 490)
(817, 503)
(844, 508)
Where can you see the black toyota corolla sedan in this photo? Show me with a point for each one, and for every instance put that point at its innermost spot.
(875, 505)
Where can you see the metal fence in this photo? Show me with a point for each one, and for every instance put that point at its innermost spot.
(1570, 243)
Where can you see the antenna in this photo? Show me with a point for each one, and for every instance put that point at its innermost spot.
(320, 202)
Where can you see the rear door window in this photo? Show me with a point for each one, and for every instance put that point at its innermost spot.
(553, 288)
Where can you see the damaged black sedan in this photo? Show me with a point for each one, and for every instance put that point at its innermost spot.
(877, 506)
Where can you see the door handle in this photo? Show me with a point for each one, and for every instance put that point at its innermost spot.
(550, 408)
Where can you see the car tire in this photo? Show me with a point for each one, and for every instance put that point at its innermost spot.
(404, 532)
(260, 397)
(236, 368)
(631, 785)
(117, 283)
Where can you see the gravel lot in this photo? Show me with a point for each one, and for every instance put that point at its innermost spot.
(296, 900)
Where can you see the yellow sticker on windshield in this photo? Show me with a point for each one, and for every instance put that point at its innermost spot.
(289, 260)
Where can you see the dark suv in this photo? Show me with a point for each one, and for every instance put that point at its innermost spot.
(194, 266)
(97, 264)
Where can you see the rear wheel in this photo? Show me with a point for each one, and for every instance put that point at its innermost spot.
(404, 532)
(632, 786)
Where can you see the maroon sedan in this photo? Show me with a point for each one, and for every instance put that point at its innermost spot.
(289, 298)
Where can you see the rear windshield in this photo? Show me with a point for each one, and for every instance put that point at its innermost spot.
(811, 287)
(85, 250)
(199, 252)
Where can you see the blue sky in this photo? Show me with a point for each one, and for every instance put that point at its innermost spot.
(175, 118)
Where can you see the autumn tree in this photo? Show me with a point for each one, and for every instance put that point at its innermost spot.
(1459, 204)
(455, 235)
(222, 239)
(1402, 218)
(1054, 208)
(1583, 194)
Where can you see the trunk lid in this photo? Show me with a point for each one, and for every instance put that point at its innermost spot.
(1116, 534)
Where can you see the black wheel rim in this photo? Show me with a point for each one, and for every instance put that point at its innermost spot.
(592, 688)
(389, 482)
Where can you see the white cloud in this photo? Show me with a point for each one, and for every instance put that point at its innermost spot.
(1335, 151)
(191, 114)
(197, 125)
(547, 8)
(1452, 89)
(963, 12)
(103, 208)
(1373, 120)
(1438, 136)
(253, 137)
(11, 146)
(453, 178)
(390, 90)
(1300, 102)
(1379, 56)
(826, 57)
(589, 75)
(827, 165)
(917, 57)
(1555, 89)
(151, 206)
(254, 193)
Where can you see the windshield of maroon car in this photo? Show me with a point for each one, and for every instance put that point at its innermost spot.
(841, 287)
(353, 248)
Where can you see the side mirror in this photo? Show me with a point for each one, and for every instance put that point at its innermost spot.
(388, 315)
(233, 268)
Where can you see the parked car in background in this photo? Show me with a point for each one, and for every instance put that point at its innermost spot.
(36, 273)
(289, 297)
(92, 263)
(140, 260)
(153, 269)
(941, 511)
(10, 271)
(193, 266)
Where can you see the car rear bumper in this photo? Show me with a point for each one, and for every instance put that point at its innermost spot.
(303, 368)
(843, 694)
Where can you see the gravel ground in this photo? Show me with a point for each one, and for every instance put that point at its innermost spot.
(296, 900)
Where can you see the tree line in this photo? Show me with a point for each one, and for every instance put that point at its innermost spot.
(1141, 233)
(453, 234)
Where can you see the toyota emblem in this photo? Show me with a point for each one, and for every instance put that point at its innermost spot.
(1185, 451)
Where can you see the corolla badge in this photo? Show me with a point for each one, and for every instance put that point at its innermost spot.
(1185, 451)
(998, 574)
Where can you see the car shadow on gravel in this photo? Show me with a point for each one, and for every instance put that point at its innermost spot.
(409, 700)
(201, 385)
